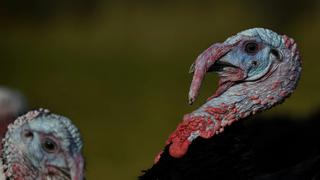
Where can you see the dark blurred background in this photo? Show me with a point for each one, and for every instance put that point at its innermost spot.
(118, 69)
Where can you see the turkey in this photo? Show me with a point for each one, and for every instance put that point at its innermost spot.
(42, 145)
(257, 69)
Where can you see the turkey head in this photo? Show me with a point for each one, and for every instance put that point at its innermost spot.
(258, 68)
(41, 145)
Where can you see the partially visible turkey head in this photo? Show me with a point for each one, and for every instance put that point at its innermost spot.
(41, 145)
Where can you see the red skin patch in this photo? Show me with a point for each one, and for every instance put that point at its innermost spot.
(214, 110)
(179, 138)
(291, 44)
(283, 93)
(20, 172)
(254, 97)
(276, 85)
(288, 41)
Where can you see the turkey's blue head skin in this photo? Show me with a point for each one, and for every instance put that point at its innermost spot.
(42, 145)
(249, 56)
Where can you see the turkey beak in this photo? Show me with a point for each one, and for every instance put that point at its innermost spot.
(202, 65)
(77, 167)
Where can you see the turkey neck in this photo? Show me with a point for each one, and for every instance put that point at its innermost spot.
(239, 101)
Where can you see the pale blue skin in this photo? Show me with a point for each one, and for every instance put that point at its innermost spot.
(267, 41)
(244, 60)
(29, 137)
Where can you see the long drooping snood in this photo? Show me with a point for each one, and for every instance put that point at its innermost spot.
(238, 96)
(204, 61)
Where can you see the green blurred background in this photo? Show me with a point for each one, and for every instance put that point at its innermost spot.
(118, 69)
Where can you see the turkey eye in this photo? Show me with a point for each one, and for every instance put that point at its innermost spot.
(49, 146)
(251, 48)
(28, 134)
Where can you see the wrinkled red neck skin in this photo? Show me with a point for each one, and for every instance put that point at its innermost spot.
(203, 63)
(179, 139)
(21, 172)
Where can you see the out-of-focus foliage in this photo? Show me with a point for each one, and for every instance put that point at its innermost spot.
(119, 68)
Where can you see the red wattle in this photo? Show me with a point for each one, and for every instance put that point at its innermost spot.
(177, 149)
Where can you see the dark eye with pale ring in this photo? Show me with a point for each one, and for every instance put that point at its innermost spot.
(28, 134)
(251, 48)
(49, 145)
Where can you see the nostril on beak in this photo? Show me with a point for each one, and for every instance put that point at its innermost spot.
(254, 63)
(276, 54)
